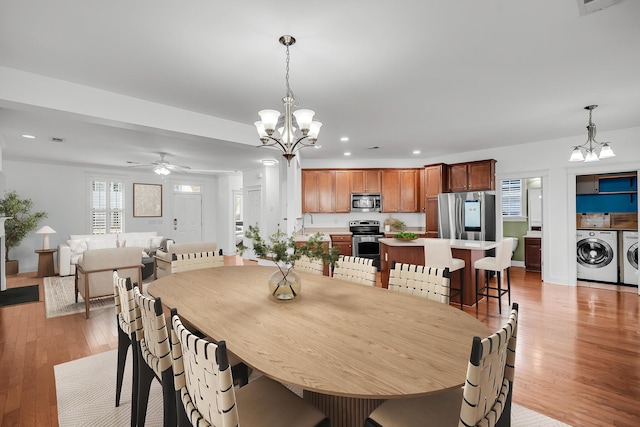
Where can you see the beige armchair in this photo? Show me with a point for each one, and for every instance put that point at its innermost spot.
(163, 260)
(94, 272)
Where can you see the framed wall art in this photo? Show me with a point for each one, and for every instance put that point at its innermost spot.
(147, 200)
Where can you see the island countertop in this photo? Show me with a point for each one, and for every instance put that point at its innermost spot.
(480, 245)
(412, 252)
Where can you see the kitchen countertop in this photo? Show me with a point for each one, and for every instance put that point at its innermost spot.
(326, 233)
(455, 243)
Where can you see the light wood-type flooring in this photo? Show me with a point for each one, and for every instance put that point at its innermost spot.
(578, 354)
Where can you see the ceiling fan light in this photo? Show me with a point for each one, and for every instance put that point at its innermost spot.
(576, 155)
(606, 152)
(161, 170)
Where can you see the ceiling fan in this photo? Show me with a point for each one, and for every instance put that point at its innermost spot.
(162, 166)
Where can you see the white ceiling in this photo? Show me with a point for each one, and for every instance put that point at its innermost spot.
(439, 76)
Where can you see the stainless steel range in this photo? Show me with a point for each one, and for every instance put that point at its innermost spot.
(365, 239)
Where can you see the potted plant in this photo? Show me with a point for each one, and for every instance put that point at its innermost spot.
(282, 249)
(21, 223)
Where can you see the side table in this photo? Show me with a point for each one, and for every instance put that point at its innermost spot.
(45, 262)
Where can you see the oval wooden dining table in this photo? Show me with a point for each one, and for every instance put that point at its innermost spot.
(348, 346)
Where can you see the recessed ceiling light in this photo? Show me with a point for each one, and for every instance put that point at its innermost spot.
(344, 139)
(28, 136)
(347, 153)
(317, 146)
(416, 151)
(269, 162)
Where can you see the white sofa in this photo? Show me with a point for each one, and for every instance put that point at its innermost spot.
(70, 253)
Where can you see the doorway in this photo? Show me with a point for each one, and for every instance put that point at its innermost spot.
(527, 222)
(187, 217)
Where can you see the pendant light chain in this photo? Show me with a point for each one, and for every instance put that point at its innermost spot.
(289, 92)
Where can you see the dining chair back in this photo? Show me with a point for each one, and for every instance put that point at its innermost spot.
(196, 261)
(310, 265)
(437, 253)
(205, 394)
(428, 282)
(356, 270)
(127, 317)
(154, 353)
(485, 399)
(499, 263)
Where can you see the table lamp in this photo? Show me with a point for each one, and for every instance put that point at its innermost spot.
(46, 230)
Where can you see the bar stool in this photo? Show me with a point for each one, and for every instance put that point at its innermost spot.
(502, 261)
(437, 253)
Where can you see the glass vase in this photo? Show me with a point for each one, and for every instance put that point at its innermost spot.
(284, 284)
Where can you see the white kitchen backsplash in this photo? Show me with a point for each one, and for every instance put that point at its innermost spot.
(342, 220)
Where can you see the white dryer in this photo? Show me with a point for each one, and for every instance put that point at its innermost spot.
(597, 255)
(629, 257)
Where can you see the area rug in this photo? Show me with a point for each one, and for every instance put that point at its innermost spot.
(59, 298)
(20, 295)
(86, 396)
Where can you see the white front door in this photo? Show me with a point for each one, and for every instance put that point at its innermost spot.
(187, 218)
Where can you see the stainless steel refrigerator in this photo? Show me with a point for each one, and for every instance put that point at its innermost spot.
(467, 216)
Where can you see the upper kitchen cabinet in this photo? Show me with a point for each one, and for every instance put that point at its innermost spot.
(342, 192)
(435, 182)
(318, 191)
(400, 190)
(365, 181)
(472, 176)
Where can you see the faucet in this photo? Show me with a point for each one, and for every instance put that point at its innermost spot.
(303, 215)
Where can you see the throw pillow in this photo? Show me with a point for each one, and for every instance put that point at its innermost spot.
(77, 246)
(156, 241)
(142, 242)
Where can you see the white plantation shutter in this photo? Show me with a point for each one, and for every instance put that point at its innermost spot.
(512, 198)
(107, 207)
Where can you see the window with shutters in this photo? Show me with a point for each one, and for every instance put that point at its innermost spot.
(106, 206)
(512, 200)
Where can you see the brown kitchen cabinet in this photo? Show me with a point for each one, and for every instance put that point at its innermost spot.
(400, 191)
(342, 242)
(342, 192)
(318, 191)
(365, 181)
(472, 176)
(435, 182)
(532, 253)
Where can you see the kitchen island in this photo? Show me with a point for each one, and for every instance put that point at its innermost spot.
(412, 252)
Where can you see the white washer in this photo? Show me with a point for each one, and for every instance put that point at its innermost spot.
(597, 255)
(629, 257)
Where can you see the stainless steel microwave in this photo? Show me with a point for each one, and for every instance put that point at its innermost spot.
(371, 202)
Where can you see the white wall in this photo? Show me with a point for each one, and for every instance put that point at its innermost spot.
(548, 159)
(224, 212)
(62, 191)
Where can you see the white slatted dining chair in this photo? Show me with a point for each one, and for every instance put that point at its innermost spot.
(498, 263)
(355, 269)
(428, 282)
(310, 265)
(485, 399)
(205, 394)
(437, 253)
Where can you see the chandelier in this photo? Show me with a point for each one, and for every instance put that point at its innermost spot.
(286, 137)
(590, 153)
